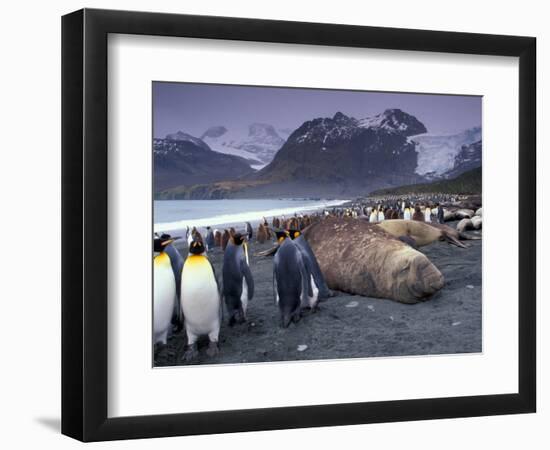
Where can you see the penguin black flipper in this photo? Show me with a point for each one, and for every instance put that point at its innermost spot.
(215, 276)
(313, 267)
(220, 290)
(176, 262)
(275, 287)
(249, 279)
(306, 281)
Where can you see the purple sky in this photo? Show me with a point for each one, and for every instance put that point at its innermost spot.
(193, 108)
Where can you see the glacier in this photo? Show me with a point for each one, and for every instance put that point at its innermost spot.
(436, 153)
(258, 143)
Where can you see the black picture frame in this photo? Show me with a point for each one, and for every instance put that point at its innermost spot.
(84, 224)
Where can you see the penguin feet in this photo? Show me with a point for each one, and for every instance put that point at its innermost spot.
(213, 349)
(191, 353)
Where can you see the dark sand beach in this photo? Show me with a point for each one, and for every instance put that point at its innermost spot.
(350, 326)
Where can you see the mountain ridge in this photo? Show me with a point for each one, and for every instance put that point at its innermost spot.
(339, 156)
(184, 160)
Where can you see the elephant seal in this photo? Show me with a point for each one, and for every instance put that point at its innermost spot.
(476, 222)
(360, 258)
(448, 215)
(465, 224)
(464, 213)
(422, 233)
(455, 233)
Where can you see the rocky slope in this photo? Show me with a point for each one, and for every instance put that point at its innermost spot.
(184, 160)
(467, 183)
(340, 157)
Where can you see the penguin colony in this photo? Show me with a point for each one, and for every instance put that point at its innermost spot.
(187, 294)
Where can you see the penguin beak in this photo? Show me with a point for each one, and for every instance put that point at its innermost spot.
(165, 243)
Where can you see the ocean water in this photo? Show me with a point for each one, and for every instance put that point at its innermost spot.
(172, 215)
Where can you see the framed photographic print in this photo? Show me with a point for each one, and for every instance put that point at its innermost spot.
(273, 224)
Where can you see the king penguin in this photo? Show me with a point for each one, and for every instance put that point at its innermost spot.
(209, 239)
(177, 265)
(200, 301)
(427, 214)
(291, 281)
(407, 213)
(373, 215)
(249, 231)
(238, 284)
(164, 290)
(318, 283)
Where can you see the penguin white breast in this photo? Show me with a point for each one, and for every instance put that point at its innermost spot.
(244, 295)
(164, 296)
(200, 299)
(314, 299)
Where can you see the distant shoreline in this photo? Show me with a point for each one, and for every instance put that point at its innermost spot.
(239, 218)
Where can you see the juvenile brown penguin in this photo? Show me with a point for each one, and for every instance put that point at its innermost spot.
(261, 235)
(217, 238)
(225, 239)
(417, 215)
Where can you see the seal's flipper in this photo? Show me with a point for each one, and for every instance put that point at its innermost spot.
(454, 241)
(409, 240)
(469, 237)
(269, 252)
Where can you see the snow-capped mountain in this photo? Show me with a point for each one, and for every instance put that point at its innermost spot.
(184, 160)
(184, 137)
(437, 153)
(257, 144)
(327, 130)
(327, 156)
(352, 155)
(394, 120)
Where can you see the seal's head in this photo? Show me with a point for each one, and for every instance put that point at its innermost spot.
(415, 276)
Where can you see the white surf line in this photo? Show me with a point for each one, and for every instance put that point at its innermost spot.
(248, 216)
